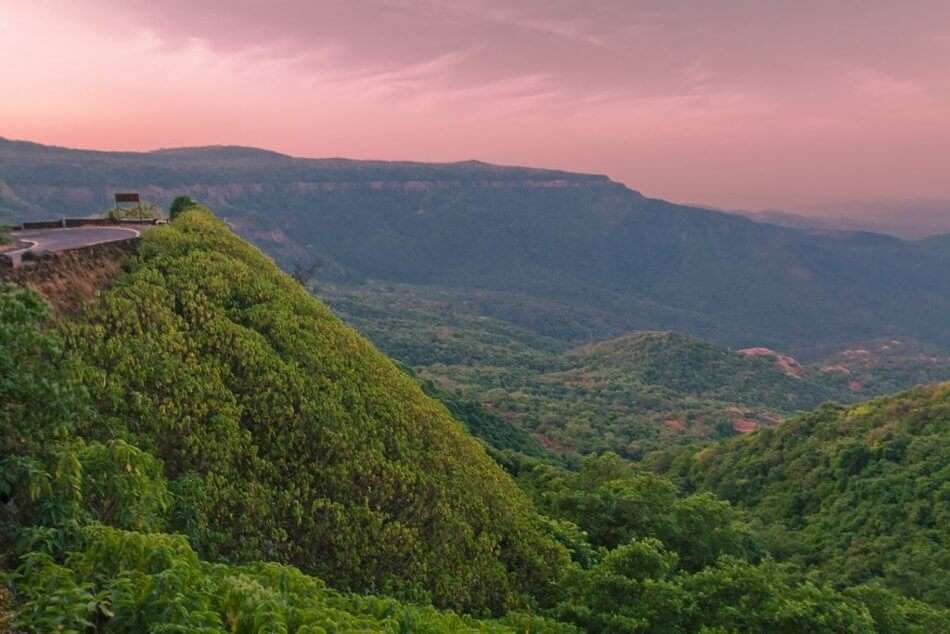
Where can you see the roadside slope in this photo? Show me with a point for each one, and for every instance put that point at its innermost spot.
(286, 436)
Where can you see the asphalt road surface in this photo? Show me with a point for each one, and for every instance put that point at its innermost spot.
(45, 240)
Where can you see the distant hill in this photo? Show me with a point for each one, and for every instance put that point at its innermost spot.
(911, 219)
(577, 256)
(630, 394)
(858, 492)
(648, 390)
(938, 245)
(684, 364)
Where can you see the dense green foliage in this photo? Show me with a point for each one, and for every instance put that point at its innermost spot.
(614, 503)
(639, 392)
(203, 422)
(288, 437)
(118, 581)
(576, 256)
(858, 493)
(180, 204)
(82, 515)
(650, 560)
(491, 428)
(632, 394)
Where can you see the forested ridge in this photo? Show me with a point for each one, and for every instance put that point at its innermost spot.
(855, 493)
(205, 448)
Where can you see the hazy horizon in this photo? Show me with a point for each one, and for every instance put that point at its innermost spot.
(798, 107)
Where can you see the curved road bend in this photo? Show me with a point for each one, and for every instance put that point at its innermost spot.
(46, 240)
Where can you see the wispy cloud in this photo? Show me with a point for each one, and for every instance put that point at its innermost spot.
(722, 102)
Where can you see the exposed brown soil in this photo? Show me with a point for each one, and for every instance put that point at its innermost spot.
(70, 278)
(788, 365)
(552, 445)
(675, 423)
(745, 426)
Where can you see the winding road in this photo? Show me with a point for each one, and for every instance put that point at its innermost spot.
(46, 240)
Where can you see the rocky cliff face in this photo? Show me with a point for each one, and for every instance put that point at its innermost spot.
(42, 200)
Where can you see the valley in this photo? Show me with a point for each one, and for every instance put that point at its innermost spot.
(203, 423)
(483, 426)
(395, 317)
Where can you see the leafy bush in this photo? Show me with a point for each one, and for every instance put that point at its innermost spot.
(179, 205)
(614, 502)
(860, 493)
(120, 581)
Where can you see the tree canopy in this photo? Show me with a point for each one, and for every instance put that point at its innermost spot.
(205, 448)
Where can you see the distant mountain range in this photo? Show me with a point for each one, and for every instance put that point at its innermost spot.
(569, 257)
(911, 220)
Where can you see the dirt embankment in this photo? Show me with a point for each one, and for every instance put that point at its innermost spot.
(69, 278)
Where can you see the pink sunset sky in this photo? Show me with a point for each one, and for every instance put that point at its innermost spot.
(731, 103)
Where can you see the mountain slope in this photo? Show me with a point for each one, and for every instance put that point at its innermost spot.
(859, 492)
(286, 436)
(589, 256)
(203, 411)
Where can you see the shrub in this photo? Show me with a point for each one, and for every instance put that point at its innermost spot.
(180, 204)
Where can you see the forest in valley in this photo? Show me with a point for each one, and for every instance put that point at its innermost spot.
(632, 394)
(206, 447)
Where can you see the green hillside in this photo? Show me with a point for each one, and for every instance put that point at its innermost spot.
(577, 256)
(286, 436)
(857, 493)
(633, 394)
(496, 432)
(204, 447)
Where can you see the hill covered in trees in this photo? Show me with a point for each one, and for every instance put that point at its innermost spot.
(631, 394)
(285, 436)
(569, 256)
(204, 447)
(857, 493)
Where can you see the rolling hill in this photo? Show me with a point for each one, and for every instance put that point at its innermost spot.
(285, 436)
